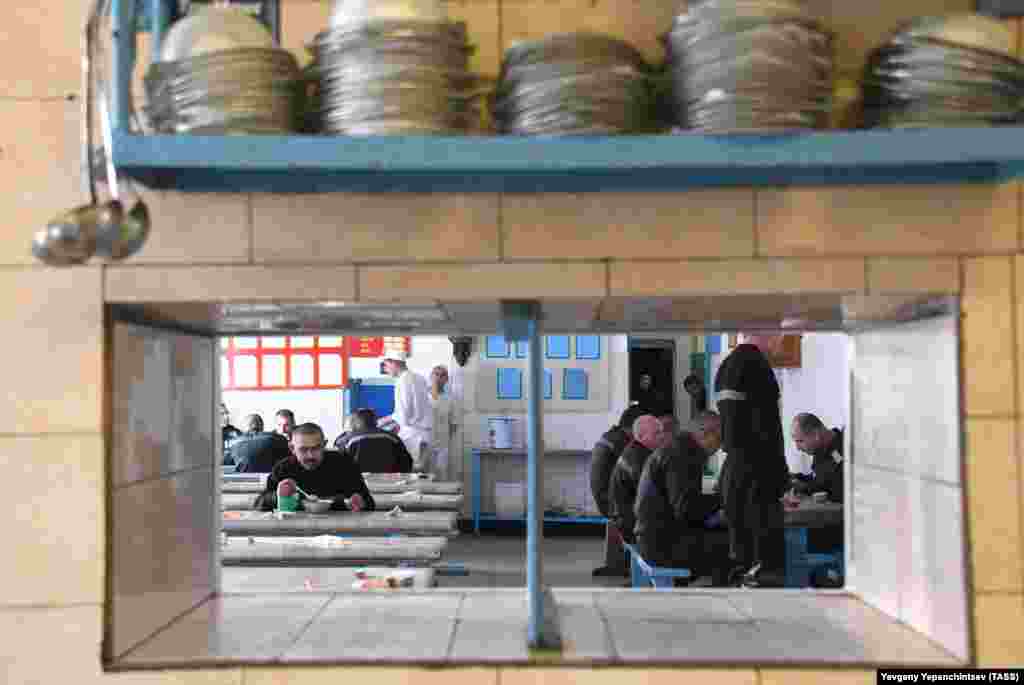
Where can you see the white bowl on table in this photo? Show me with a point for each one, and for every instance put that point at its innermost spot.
(317, 506)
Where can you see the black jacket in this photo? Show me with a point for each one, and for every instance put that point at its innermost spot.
(258, 452)
(623, 485)
(228, 433)
(669, 497)
(603, 457)
(377, 451)
(827, 471)
(337, 477)
(748, 401)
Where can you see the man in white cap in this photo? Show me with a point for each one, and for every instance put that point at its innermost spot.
(413, 412)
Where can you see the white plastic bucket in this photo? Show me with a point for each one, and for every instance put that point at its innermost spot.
(501, 432)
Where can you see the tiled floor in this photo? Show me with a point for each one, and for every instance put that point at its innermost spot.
(489, 625)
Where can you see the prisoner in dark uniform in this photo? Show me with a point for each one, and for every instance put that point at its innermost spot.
(372, 449)
(603, 457)
(606, 452)
(826, 449)
(754, 476)
(648, 435)
(670, 505)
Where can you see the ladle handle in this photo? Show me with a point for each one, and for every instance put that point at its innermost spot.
(87, 101)
(108, 145)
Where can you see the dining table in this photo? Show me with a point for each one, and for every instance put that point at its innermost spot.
(801, 515)
(330, 550)
(258, 483)
(363, 523)
(408, 501)
(322, 578)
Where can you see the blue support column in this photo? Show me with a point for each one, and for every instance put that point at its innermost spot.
(534, 478)
(521, 321)
(122, 63)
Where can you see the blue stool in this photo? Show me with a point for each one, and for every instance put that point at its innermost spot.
(645, 575)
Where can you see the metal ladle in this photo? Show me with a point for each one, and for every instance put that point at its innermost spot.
(71, 237)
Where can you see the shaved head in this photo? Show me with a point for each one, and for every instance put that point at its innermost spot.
(650, 432)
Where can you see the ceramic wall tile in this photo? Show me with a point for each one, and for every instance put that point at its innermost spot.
(934, 592)
(914, 368)
(163, 411)
(879, 557)
(162, 553)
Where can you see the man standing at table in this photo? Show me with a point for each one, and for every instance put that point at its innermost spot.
(754, 476)
(324, 473)
(413, 413)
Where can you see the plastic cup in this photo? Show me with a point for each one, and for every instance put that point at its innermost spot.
(287, 502)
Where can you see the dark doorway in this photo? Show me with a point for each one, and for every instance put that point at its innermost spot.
(656, 360)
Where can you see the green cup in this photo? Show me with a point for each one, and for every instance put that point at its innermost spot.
(287, 502)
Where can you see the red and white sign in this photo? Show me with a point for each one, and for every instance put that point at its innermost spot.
(363, 346)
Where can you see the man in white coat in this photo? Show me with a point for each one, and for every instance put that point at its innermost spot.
(444, 422)
(413, 412)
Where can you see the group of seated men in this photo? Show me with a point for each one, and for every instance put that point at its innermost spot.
(648, 482)
(255, 450)
(372, 449)
(296, 459)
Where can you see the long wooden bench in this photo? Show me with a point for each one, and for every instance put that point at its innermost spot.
(644, 574)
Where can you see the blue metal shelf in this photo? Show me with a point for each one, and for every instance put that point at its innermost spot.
(302, 164)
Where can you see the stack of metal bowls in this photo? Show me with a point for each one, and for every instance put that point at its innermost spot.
(399, 72)
(573, 84)
(220, 73)
(952, 70)
(750, 65)
(247, 90)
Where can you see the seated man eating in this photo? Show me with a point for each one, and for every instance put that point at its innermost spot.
(324, 473)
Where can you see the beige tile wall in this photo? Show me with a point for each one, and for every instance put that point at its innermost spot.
(52, 594)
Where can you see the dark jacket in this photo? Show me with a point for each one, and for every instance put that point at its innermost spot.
(337, 477)
(603, 457)
(670, 502)
(377, 451)
(623, 485)
(228, 433)
(826, 470)
(700, 399)
(748, 401)
(258, 452)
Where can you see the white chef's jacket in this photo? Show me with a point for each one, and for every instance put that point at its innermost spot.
(442, 435)
(413, 413)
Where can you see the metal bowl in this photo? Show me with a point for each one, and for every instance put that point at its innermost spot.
(970, 30)
(351, 12)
